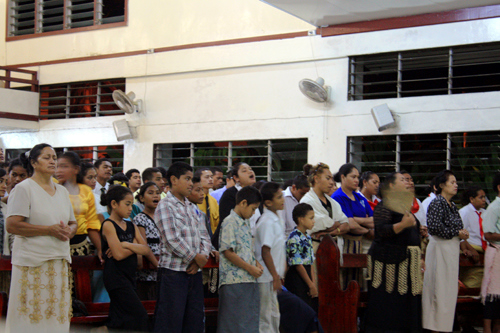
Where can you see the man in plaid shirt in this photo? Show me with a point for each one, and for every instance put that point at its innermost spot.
(185, 247)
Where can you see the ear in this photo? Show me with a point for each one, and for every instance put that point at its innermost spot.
(244, 202)
(173, 180)
(268, 203)
(114, 204)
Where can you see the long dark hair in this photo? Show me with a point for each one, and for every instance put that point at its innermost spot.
(116, 193)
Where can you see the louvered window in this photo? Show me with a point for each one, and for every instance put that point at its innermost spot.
(472, 156)
(440, 71)
(87, 154)
(80, 99)
(276, 160)
(28, 17)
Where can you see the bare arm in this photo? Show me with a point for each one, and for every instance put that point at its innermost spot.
(115, 246)
(366, 222)
(95, 238)
(491, 237)
(268, 260)
(407, 222)
(17, 225)
(356, 228)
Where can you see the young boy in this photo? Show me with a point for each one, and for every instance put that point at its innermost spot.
(185, 247)
(270, 252)
(239, 302)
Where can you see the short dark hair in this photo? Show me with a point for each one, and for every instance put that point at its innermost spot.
(147, 174)
(366, 176)
(199, 171)
(75, 160)
(15, 162)
(300, 181)
(132, 171)
(300, 210)
(32, 155)
(100, 161)
(84, 168)
(471, 192)
(268, 190)
(116, 193)
(441, 178)
(2, 172)
(177, 169)
(344, 171)
(250, 194)
(163, 172)
(496, 182)
(215, 169)
(196, 179)
(143, 190)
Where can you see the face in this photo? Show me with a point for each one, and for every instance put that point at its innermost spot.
(218, 180)
(135, 181)
(151, 197)
(409, 180)
(66, 171)
(324, 181)
(278, 202)
(105, 170)
(449, 188)
(372, 185)
(46, 162)
(197, 195)
(184, 184)
(157, 179)
(17, 175)
(123, 208)
(246, 176)
(207, 179)
(299, 193)
(3, 185)
(479, 201)
(90, 178)
(351, 180)
(308, 220)
(247, 211)
(400, 184)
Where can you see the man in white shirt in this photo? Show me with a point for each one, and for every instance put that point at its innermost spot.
(293, 194)
(104, 173)
(474, 201)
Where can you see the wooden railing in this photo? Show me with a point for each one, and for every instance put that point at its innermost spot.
(8, 77)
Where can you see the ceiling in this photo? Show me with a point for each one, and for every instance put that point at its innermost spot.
(332, 12)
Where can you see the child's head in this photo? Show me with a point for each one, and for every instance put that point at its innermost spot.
(149, 195)
(272, 195)
(248, 200)
(119, 200)
(197, 195)
(180, 176)
(303, 216)
(243, 174)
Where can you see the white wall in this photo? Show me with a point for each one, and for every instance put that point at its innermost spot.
(250, 91)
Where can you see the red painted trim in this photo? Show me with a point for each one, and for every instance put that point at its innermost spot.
(166, 49)
(17, 116)
(459, 15)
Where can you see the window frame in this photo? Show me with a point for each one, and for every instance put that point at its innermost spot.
(65, 30)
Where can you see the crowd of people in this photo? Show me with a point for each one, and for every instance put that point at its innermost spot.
(263, 234)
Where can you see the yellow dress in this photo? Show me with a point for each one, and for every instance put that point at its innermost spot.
(214, 211)
(86, 217)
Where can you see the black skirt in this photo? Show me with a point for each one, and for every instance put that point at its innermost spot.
(297, 286)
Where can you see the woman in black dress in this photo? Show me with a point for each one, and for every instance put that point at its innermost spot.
(394, 263)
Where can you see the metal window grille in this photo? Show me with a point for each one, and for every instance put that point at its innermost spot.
(87, 154)
(79, 100)
(472, 156)
(440, 71)
(276, 160)
(37, 16)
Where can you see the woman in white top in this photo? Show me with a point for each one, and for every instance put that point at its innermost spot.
(40, 215)
(328, 215)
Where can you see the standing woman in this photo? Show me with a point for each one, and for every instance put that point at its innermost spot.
(439, 296)
(328, 215)
(40, 214)
(360, 215)
(88, 174)
(369, 183)
(82, 199)
(394, 263)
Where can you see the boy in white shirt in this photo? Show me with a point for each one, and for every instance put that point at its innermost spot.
(270, 251)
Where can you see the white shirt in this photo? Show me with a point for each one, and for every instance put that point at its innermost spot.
(427, 202)
(270, 232)
(421, 214)
(322, 219)
(286, 214)
(471, 223)
(100, 209)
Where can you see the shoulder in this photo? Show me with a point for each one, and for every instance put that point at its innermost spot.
(212, 200)
(60, 189)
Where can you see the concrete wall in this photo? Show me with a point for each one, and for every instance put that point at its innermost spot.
(250, 91)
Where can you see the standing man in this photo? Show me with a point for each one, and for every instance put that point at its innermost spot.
(104, 172)
(293, 194)
(217, 194)
(218, 177)
(209, 205)
(185, 246)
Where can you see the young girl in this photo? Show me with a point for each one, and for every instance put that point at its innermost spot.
(149, 196)
(88, 174)
(300, 257)
(121, 242)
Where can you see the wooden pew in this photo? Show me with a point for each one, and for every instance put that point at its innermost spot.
(339, 309)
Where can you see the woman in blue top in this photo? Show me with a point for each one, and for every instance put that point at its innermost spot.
(359, 213)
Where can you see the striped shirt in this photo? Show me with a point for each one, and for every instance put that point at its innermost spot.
(182, 235)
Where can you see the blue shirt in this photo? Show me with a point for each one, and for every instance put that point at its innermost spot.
(217, 194)
(357, 208)
(299, 249)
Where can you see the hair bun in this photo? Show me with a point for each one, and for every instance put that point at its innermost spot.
(307, 169)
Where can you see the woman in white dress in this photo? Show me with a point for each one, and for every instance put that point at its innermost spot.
(440, 290)
(40, 215)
